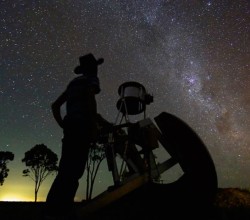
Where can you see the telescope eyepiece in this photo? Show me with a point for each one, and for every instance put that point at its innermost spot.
(148, 99)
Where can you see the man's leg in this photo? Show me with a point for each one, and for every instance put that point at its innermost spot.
(71, 168)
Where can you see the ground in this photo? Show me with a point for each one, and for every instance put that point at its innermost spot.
(229, 204)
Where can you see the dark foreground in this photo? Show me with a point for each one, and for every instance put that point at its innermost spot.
(230, 204)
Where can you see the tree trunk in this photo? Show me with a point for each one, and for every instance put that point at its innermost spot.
(36, 190)
(35, 195)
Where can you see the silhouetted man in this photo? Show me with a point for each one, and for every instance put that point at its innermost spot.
(80, 130)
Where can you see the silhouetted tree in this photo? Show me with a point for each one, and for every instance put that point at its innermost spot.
(41, 162)
(96, 156)
(5, 157)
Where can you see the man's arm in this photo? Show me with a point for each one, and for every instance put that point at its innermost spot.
(56, 108)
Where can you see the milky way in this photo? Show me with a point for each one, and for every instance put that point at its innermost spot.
(193, 56)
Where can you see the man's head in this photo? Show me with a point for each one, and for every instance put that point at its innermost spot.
(88, 65)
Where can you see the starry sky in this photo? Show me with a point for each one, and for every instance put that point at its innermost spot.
(192, 55)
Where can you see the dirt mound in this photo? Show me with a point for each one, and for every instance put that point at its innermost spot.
(232, 198)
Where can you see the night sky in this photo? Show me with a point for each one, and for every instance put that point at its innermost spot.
(193, 56)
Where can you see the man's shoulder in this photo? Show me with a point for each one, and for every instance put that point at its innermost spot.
(80, 80)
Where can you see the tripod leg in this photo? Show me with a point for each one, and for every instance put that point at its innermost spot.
(112, 166)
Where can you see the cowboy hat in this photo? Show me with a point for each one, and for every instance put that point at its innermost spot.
(87, 60)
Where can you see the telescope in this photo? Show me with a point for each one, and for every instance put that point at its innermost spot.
(136, 143)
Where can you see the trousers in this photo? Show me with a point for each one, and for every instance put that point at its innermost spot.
(75, 148)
